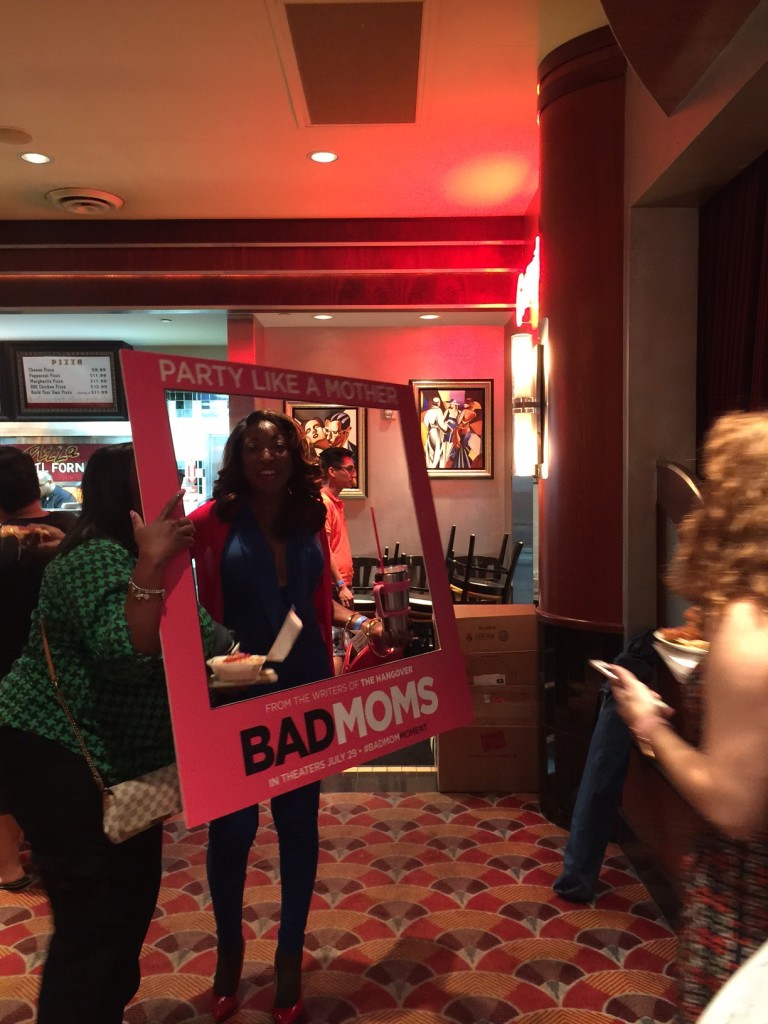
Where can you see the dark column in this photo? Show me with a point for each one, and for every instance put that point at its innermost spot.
(582, 241)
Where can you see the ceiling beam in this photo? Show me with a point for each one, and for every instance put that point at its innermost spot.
(443, 262)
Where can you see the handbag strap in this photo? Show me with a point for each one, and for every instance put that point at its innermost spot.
(69, 716)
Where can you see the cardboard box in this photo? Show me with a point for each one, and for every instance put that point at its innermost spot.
(485, 628)
(481, 759)
(503, 668)
(505, 705)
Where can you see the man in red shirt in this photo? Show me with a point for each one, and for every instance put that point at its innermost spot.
(338, 472)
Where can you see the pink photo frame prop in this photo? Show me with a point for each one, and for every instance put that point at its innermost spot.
(234, 756)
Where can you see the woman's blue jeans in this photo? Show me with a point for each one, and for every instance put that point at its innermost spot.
(230, 839)
(596, 805)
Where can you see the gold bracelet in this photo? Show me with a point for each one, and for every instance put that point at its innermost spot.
(370, 624)
(144, 593)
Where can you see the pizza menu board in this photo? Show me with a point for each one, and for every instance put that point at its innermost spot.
(84, 381)
(59, 381)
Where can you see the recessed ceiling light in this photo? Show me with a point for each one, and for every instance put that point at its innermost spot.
(322, 316)
(429, 316)
(35, 158)
(165, 320)
(323, 156)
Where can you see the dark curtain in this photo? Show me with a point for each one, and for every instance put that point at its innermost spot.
(733, 297)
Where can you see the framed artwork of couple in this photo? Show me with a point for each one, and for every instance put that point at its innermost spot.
(335, 426)
(456, 426)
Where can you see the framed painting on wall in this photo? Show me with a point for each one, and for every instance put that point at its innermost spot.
(456, 419)
(335, 426)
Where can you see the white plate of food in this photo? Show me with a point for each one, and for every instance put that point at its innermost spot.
(240, 669)
(680, 649)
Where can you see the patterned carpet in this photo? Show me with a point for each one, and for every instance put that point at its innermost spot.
(429, 908)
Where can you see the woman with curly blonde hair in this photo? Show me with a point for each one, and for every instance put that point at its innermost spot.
(722, 566)
(723, 551)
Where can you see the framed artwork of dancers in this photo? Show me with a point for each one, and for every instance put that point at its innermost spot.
(456, 419)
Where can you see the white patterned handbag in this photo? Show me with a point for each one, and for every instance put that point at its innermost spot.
(133, 806)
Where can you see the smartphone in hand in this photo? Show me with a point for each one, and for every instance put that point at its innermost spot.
(604, 667)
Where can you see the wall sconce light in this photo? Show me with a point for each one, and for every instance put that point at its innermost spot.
(523, 370)
(525, 406)
(387, 414)
(526, 444)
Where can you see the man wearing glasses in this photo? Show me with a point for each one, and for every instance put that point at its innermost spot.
(338, 472)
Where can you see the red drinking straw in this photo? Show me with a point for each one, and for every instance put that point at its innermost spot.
(376, 536)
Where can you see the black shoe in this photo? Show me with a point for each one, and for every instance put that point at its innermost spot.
(573, 895)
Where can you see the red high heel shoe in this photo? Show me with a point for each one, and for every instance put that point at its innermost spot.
(287, 985)
(223, 1007)
(224, 998)
(287, 1014)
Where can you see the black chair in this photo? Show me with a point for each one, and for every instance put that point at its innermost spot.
(449, 547)
(503, 549)
(459, 569)
(475, 579)
(420, 614)
(395, 559)
(363, 569)
(494, 562)
(417, 572)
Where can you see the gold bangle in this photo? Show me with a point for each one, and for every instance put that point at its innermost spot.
(144, 593)
(350, 620)
(369, 623)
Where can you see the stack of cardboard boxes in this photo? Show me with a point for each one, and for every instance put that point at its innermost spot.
(500, 750)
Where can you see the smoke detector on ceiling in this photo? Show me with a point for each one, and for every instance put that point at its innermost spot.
(86, 202)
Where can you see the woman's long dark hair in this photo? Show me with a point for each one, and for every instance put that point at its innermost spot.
(108, 498)
(304, 508)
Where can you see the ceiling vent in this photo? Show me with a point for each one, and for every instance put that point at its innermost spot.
(86, 202)
(358, 62)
